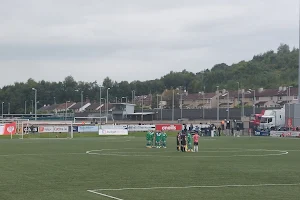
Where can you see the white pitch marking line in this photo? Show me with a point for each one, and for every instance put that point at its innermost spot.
(198, 186)
(105, 195)
(37, 154)
(98, 152)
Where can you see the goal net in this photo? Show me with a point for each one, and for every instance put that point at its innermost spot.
(45, 129)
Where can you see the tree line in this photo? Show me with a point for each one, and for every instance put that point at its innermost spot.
(268, 70)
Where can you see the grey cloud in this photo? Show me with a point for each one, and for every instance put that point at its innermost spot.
(115, 38)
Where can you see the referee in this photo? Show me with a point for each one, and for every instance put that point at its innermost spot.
(183, 141)
(178, 141)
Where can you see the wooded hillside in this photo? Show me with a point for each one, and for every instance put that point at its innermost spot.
(268, 70)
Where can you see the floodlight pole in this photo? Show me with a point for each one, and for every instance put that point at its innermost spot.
(254, 102)
(25, 110)
(173, 105)
(218, 109)
(142, 108)
(2, 110)
(35, 103)
(100, 109)
(228, 99)
(299, 67)
(107, 102)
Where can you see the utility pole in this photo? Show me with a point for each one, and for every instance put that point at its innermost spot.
(181, 106)
(2, 109)
(142, 108)
(107, 102)
(218, 102)
(100, 108)
(35, 103)
(203, 98)
(228, 105)
(81, 96)
(173, 96)
(243, 106)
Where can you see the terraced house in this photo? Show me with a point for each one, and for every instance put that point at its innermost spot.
(259, 98)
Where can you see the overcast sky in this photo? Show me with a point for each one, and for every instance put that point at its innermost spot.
(136, 39)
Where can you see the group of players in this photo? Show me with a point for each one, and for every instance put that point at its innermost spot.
(184, 140)
(160, 139)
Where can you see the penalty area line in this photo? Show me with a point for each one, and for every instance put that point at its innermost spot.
(104, 195)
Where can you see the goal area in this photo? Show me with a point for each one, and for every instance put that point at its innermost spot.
(46, 129)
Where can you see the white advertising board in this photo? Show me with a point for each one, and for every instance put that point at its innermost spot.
(285, 134)
(133, 128)
(113, 132)
(113, 126)
(53, 129)
(88, 129)
(2, 129)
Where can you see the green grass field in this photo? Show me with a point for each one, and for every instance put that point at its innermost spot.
(121, 168)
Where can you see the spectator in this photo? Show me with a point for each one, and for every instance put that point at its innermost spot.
(219, 131)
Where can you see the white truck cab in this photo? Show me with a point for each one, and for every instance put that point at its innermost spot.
(272, 119)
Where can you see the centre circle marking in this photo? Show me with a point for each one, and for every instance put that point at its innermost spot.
(118, 152)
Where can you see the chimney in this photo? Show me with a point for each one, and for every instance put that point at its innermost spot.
(280, 88)
(87, 100)
(260, 90)
(284, 88)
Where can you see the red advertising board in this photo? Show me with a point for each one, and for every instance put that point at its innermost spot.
(10, 129)
(168, 127)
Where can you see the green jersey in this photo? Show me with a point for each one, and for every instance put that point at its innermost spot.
(158, 136)
(189, 137)
(164, 137)
(151, 135)
(148, 136)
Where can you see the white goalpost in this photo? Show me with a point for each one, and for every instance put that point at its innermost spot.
(47, 129)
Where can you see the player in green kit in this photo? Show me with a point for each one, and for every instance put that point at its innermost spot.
(164, 139)
(148, 139)
(158, 139)
(151, 138)
(189, 141)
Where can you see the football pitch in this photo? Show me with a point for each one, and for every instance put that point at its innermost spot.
(122, 168)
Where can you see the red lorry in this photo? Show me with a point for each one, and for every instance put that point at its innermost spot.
(255, 119)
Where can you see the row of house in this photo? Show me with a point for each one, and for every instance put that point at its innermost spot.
(258, 98)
